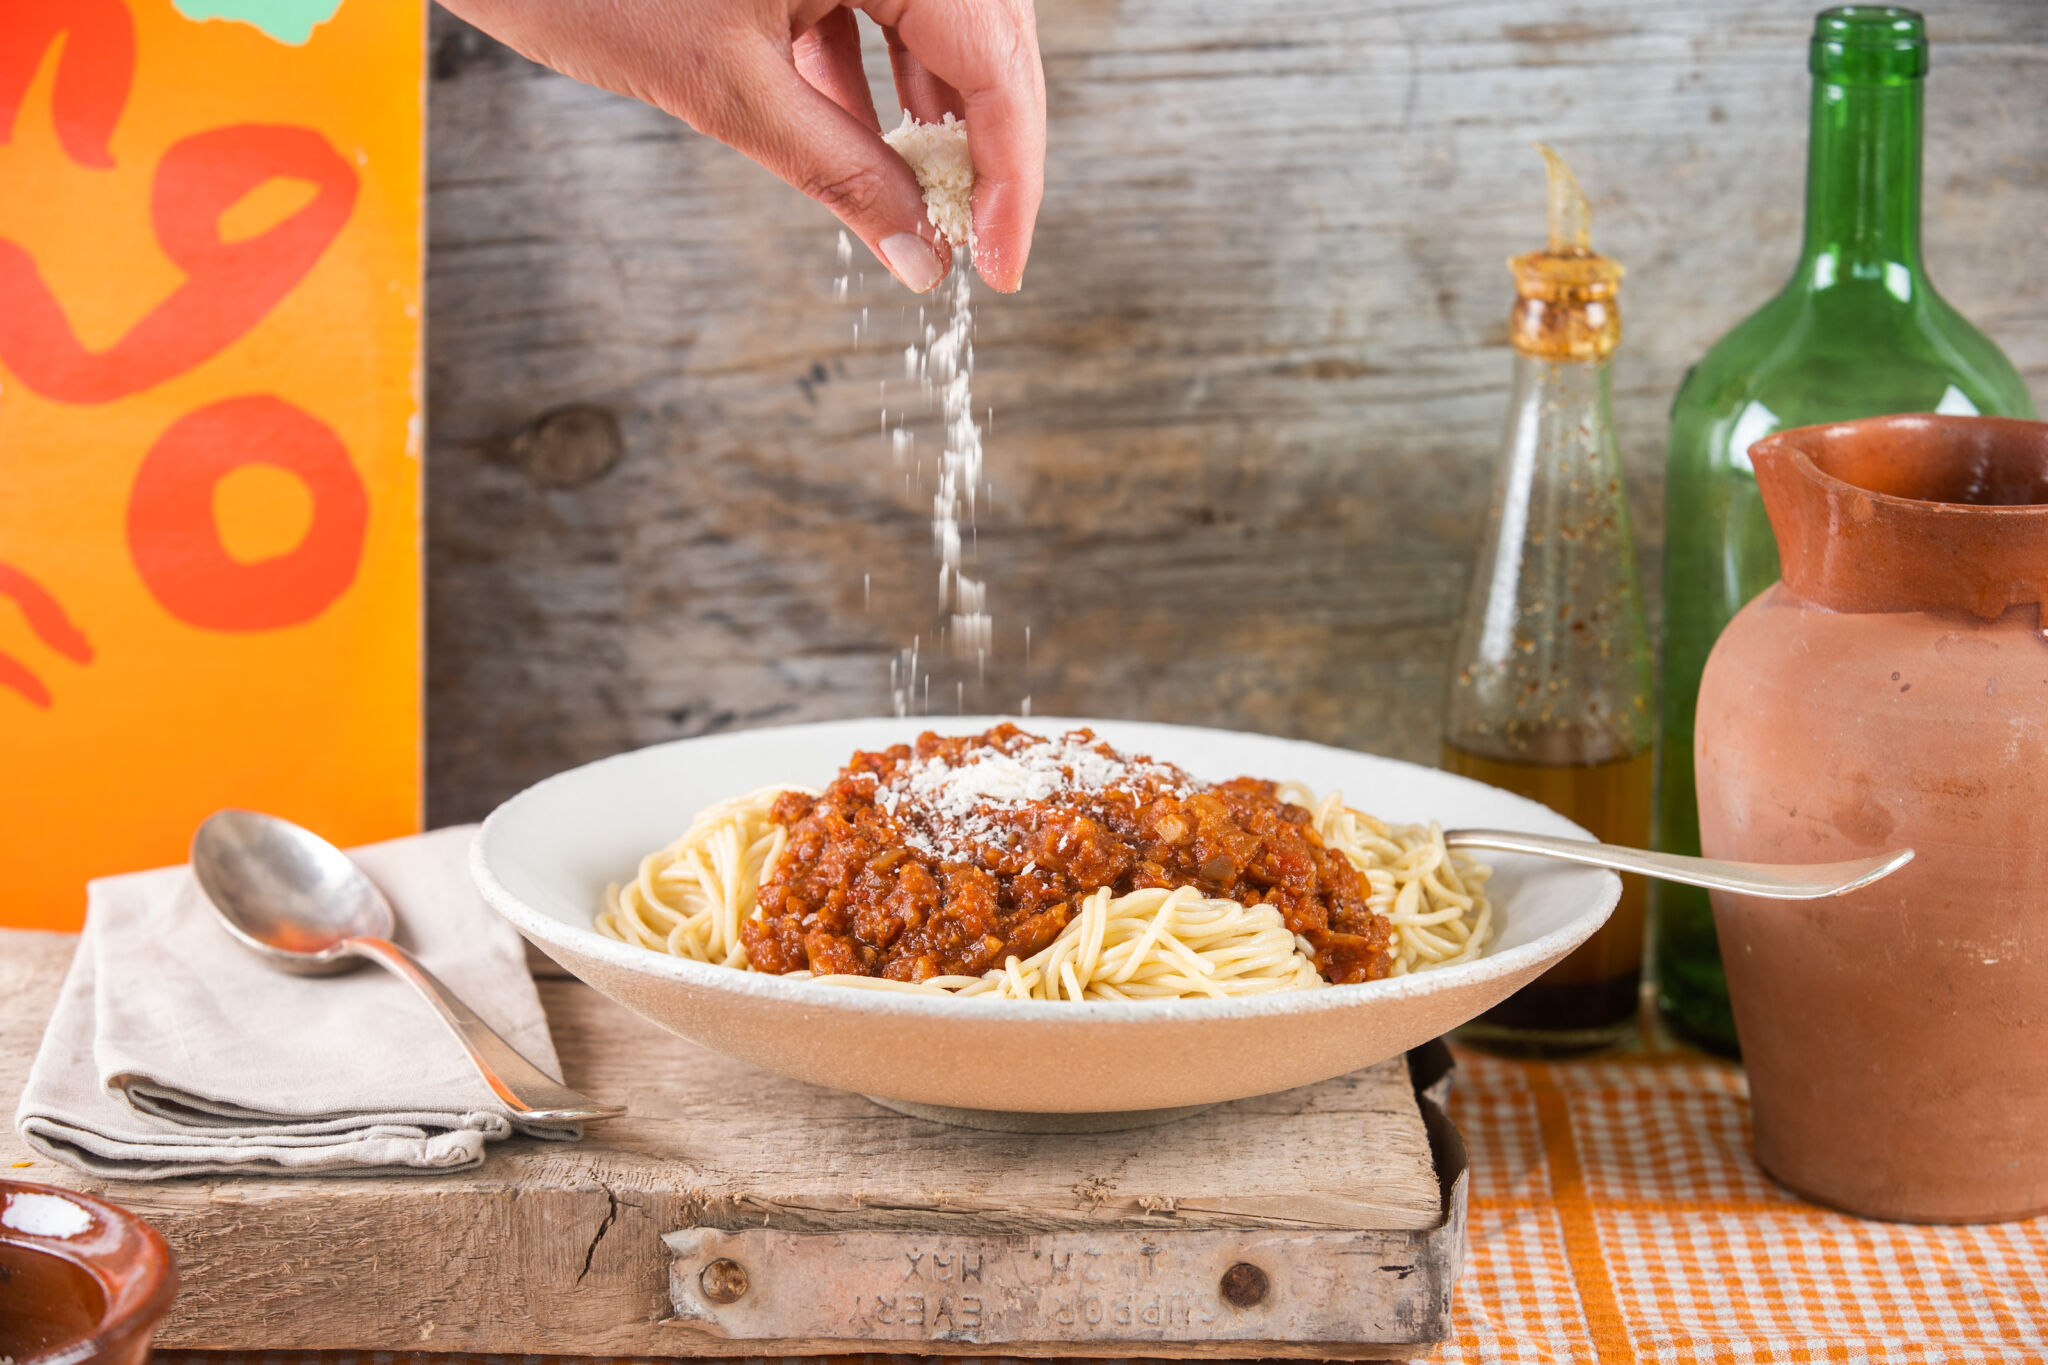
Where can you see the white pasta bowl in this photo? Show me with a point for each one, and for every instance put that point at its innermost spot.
(543, 859)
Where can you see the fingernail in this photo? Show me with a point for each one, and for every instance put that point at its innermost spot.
(913, 260)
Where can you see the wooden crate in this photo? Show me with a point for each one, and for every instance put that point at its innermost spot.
(738, 1213)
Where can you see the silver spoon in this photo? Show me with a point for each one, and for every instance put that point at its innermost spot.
(297, 902)
(1773, 881)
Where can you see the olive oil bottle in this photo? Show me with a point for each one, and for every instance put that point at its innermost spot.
(1552, 680)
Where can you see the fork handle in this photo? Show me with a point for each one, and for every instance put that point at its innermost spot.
(1772, 881)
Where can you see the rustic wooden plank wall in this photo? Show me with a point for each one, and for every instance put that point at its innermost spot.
(1244, 410)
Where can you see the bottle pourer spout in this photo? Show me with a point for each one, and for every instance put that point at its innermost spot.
(1571, 218)
(1565, 306)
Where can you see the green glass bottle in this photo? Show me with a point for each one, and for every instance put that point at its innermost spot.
(1857, 331)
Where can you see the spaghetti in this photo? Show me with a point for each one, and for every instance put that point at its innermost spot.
(1435, 897)
(1148, 944)
(701, 897)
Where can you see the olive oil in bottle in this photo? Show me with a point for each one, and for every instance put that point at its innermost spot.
(1593, 992)
(1552, 681)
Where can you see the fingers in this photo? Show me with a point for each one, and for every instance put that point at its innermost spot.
(928, 98)
(783, 121)
(828, 55)
(987, 52)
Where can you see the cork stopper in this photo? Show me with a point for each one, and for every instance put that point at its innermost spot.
(1566, 296)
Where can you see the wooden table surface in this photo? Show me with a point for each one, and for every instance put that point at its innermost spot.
(557, 1247)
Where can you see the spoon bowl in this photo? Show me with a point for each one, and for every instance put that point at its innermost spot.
(300, 904)
(286, 893)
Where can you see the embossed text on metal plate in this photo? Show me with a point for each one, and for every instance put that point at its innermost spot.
(1113, 1286)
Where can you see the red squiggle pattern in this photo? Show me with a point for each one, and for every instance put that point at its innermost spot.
(47, 619)
(229, 286)
(176, 545)
(93, 72)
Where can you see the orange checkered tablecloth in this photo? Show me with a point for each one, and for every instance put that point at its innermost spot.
(1616, 1216)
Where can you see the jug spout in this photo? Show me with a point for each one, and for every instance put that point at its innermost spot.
(1921, 512)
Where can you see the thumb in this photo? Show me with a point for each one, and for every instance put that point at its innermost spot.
(775, 116)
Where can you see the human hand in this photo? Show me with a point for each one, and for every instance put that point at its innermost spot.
(781, 80)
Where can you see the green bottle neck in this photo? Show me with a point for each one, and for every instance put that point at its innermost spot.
(1863, 187)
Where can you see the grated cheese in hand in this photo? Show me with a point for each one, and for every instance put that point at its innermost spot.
(937, 152)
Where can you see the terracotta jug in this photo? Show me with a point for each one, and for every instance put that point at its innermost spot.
(1892, 691)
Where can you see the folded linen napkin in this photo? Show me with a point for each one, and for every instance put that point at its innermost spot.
(174, 1050)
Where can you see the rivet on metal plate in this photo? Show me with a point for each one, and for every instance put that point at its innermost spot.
(724, 1280)
(1244, 1285)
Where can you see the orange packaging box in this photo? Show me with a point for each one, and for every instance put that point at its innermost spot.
(210, 428)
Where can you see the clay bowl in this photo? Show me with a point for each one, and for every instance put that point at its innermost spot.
(81, 1282)
(543, 858)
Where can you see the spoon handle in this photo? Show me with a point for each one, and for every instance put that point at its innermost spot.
(525, 1089)
(1772, 881)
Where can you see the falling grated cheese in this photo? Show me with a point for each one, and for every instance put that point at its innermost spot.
(937, 152)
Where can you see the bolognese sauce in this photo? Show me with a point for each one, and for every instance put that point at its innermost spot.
(950, 856)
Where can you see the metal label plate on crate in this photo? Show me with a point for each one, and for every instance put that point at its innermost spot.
(1118, 1286)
